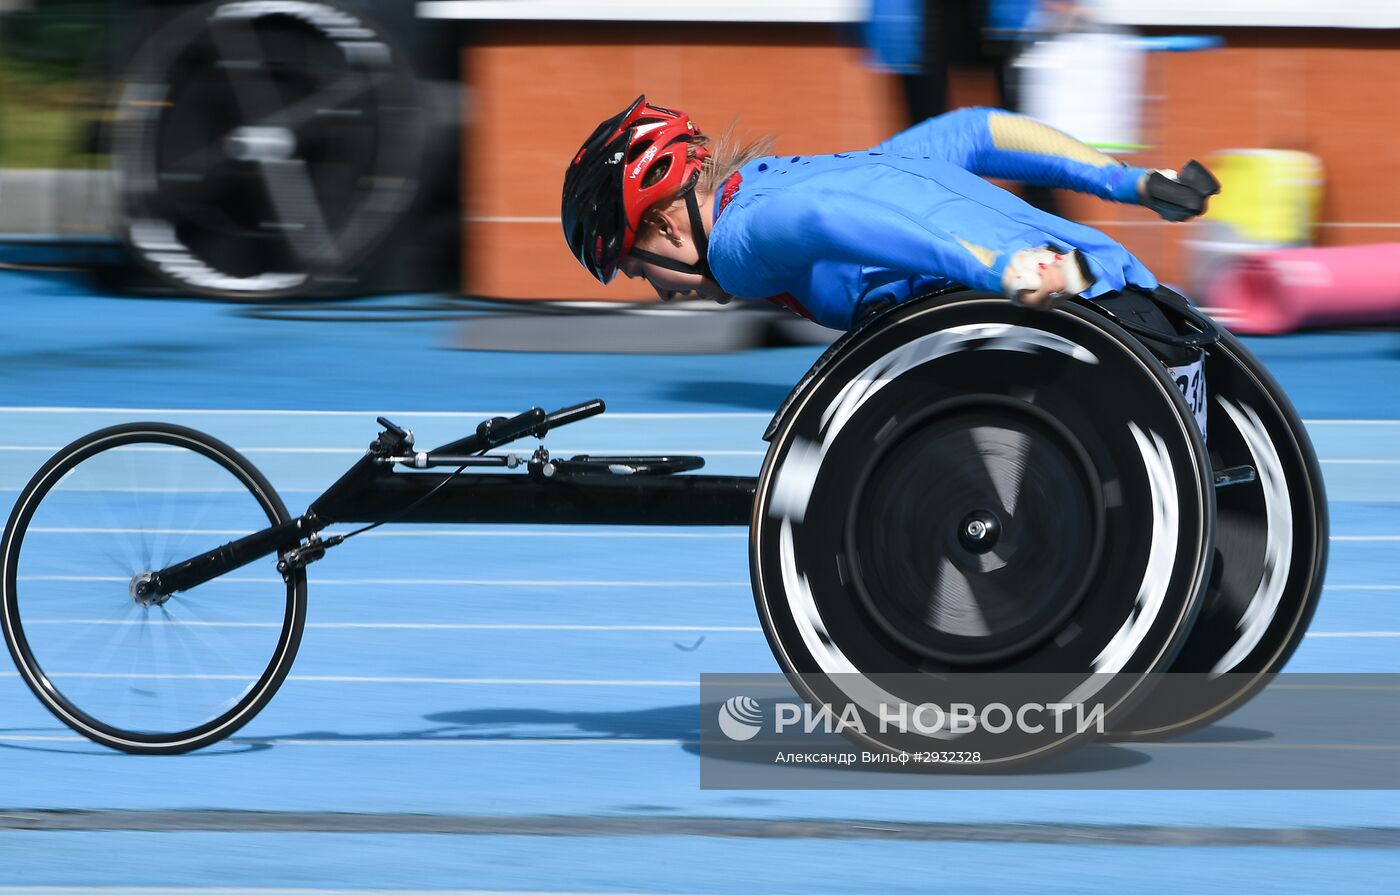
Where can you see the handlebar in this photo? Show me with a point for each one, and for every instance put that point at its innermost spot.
(501, 430)
(566, 415)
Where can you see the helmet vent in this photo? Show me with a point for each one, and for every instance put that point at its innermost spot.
(657, 172)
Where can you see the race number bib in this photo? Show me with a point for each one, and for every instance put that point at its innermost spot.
(1191, 379)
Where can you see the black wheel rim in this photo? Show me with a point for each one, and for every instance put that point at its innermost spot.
(260, 685)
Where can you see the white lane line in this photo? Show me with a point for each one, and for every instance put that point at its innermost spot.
(523, 532)
(311, 451)
(520, 582)
(1360, 462)
(586, 741)
(456, 414)
(1353, 634)
(283, 890)
(162, 490)
(367, 679)
(419, 582)
(517, 582)
(436, 414)
(414, 626)
(1289, 747)
(508, 626)
(629, 451)
(51, 448)
(475, 414)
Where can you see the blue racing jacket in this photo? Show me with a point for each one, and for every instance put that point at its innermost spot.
(833, 236)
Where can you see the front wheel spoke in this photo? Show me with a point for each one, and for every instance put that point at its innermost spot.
(170, 496)
(207, 651)
(180, 633)
(93, 681)
(137, 497)
(131, 542)
(71, 632)
(193, 523)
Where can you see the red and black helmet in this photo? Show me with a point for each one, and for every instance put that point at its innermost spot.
(631, 162)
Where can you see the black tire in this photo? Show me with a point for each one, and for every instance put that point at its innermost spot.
(118, 501)
(1271, 553)
(888, 467)
(266, 149)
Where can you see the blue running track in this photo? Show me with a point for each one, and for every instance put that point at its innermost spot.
(488, 709)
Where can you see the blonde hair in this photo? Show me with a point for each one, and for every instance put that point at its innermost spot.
(728, 153)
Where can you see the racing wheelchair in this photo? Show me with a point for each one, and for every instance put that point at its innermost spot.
(958, 487)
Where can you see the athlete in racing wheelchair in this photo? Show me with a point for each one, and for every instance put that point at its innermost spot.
(951, 487)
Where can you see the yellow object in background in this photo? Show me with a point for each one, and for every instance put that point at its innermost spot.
(1267, 196)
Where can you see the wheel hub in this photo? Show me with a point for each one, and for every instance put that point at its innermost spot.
(260, 144)
(143, 590)
(979, 531)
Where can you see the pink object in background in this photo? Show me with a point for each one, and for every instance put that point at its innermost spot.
(1273, 292)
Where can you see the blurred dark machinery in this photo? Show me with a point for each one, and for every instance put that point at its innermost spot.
(264, 149)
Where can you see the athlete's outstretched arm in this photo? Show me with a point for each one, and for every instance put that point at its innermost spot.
(784, 242)
(997, 143)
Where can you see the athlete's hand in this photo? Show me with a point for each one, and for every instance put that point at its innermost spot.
(1035, 278)
(1178, 197)
(1041, 298)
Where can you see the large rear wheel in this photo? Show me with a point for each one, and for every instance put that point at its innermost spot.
(975, 503)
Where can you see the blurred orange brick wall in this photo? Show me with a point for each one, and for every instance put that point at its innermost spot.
(538, 89)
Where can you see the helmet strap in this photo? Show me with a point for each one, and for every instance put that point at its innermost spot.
(663, 261)
(697, 235)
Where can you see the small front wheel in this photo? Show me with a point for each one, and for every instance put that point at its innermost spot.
(137, 673)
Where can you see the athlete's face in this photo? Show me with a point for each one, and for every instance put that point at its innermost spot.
(672, 239)
(672, 285)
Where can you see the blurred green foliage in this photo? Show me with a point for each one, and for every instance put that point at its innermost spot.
(50, 93)
(58, 36)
